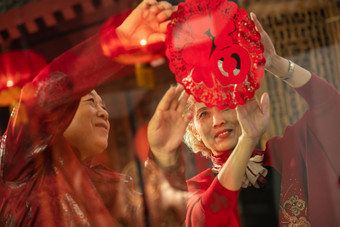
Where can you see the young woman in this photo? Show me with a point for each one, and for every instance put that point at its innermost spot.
(61, 123)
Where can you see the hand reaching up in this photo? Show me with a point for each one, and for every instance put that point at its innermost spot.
(148, 21)
(167, 126)
(269, 49)
(254, 117)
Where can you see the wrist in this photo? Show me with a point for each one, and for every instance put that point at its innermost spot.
(166, 159)
(276, 65)
(251, 141)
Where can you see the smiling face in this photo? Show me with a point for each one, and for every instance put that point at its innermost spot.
(88, 131)
(219, 130)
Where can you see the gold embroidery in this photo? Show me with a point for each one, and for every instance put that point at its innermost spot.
(291, 209)
(296, 205)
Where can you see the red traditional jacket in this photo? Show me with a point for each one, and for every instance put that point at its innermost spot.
(308, 159)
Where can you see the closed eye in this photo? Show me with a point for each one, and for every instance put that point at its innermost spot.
(104, 107)
(90, 100)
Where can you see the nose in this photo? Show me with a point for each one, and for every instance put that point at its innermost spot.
(102, 113)
(217, 117)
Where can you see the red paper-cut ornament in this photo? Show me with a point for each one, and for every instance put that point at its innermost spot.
(215, 52)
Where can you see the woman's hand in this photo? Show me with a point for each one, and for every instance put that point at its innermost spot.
(254, 117)
(277, 65)
(167, 126)
(148, 21)
(269, 49)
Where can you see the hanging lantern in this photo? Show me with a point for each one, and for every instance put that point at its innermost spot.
(17, 67)
(140, 55)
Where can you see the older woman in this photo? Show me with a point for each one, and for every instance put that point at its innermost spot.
(307, 156)
(61, 123)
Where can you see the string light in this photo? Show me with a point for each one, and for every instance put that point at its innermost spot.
(9, 83)
(143, 42)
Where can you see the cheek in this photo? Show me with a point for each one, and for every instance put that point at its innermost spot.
(200, 127)
(204, 131)
(80, 125)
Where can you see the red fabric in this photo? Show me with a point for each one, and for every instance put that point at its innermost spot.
(215, 52)
(307, 157)
(211, 204)
(42, 180)
(219, 160)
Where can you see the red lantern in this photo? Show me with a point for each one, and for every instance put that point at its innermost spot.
(17, 67)
(141, 53)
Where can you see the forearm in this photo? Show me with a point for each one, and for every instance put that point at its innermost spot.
(233, 171)
(279, 67)
(165, 190)
(173, 169)
(167, 160)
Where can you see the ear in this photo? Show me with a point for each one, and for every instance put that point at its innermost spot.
(195, 133)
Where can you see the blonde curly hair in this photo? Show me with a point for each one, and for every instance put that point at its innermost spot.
(189, 138)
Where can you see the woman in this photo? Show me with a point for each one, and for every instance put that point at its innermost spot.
(307, 156)
(60, 123)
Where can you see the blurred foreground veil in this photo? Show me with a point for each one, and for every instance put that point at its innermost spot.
(43, 180)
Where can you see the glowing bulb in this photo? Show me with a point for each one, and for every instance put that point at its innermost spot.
(143, 42)
(9, 83)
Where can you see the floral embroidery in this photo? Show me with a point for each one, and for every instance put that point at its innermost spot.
(295, 221)
(296, 205)
(220, 203)
(291, 209)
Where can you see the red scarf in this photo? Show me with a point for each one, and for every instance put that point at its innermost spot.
(219, 160)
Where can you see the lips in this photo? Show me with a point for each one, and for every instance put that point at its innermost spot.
(223, 133)
(103, 125)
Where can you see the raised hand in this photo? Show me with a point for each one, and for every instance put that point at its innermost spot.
(167, 126)
(269, 49)
(254, 117)
(148, 21)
